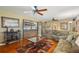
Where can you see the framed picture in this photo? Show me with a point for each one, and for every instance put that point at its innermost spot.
(9, 22)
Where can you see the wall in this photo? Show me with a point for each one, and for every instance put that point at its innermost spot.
(12, 15)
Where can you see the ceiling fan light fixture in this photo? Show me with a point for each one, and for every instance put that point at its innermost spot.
(27, 12)
(33, 8)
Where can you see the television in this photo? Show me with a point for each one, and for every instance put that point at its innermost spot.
(9, 22)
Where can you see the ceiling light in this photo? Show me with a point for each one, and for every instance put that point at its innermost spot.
(27, 12)
(33, 7)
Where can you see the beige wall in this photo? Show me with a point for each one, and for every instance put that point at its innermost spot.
(12, 15)
(3, 29)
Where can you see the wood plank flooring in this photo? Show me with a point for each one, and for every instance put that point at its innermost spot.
(12, 48)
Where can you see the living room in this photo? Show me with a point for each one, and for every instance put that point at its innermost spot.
(39, 29)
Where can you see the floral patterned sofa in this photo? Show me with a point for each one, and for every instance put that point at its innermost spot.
(56, 34)
(59, 34)
(66, 45)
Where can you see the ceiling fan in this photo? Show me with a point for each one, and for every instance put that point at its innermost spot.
(38, 11)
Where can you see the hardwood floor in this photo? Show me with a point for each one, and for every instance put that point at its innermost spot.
(12, 48)
(53, 46)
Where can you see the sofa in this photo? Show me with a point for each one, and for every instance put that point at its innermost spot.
(55, 34)
(66, 45)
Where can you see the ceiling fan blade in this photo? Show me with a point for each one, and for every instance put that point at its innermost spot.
(39, 13)
(42, 10)
(33, 12)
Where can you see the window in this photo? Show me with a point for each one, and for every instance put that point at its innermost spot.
(64, 26)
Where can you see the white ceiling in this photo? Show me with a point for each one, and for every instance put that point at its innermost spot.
(52, 11)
